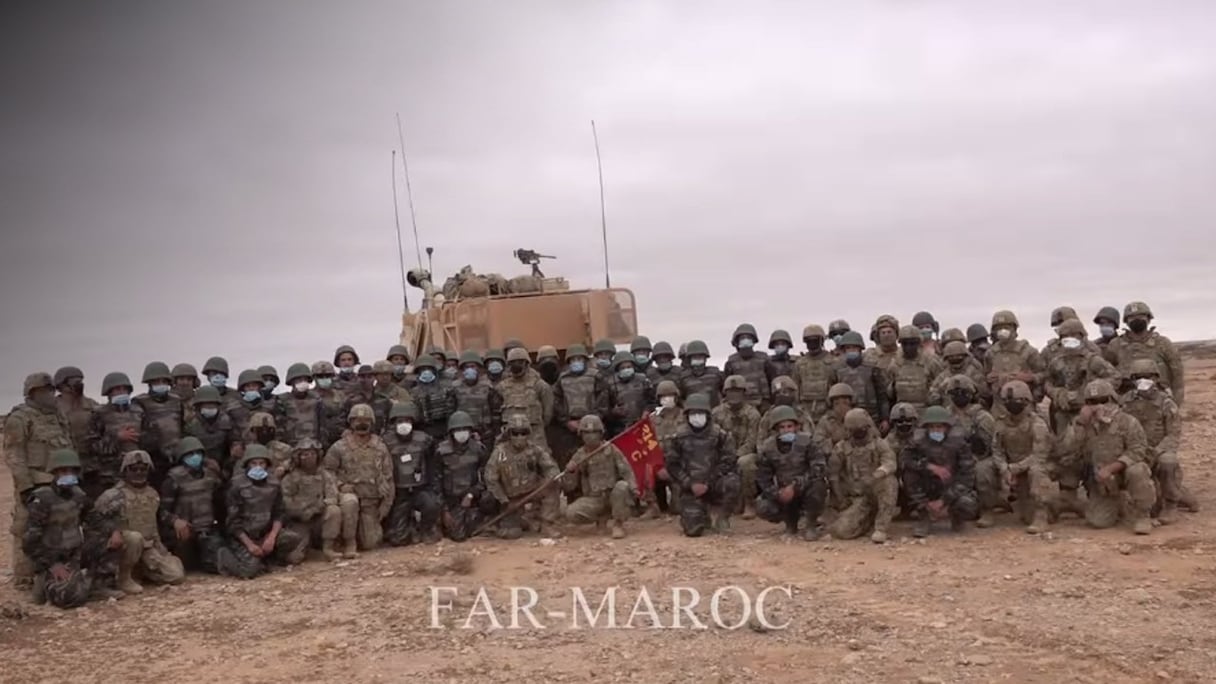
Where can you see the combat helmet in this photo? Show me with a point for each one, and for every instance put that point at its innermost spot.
(698, 402)
(113, 381)
(660, 349)
(936, 415)
(603, 346)
(955, 348)
(852, 338)
(781, 414)
(1070, 327)
(518, 422)
(254, 452)
(345, 349)
(382, 367)
(135, 457)
(576, 350)
(1016, 389)
(621, 357)
(62, 458)
(362, 411)
(1100, 389)
(840, 390)
(813, 330)
(734, 382)
(1004, 317)
(744, 329)
(216, 364)
(469, 356)
(909, 332)
(590, 423)
(249, 377)
(923, 318)
(67, 373)
(667, 388)
(307, 444)
(780, 336)
(207, 395)
(1143, 368)
(403, 409)
(496, 355)
(425, 361)
(323, 368)
(960, 382)
(1061, 314)
(904, 411)
(641, 343)
(35, 381)
(857, 419)
(953, 335)
(697, 348)
(976, 332)
(838, 327)
(460, 420)
(1107, 313)
(398, 350)
(1137, 309)
(297, 371)
(268, 371)
(784, 383)
(546, 351)
(189, 445)
(518, 354)
(185, 370)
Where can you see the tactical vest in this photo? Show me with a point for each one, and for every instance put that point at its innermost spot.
(1128, 350)
(1106, 443)
(164, 424)
(701, 452)
(195, 496)
(519, 398)
(113, 420)
(707, 381)
(301, 417)
(475, 400)
(861, 379)
(791, 464)
(461, 468)
(881, 358)
(599, 473)
(1070, 371)
(1006, 360)
(782, 365)
(62, 532)
(1018, 437)
(860, 462)
(631, 395)
(78, 416)
(911, 380)
(518, 471)
(242, 413)
(578, 395)
(754, 371)
(812, 377)
(359, 464)
(308, 488)
(1151, 414)
(436, 404)
(409, 456)
(216, 436)
(44, 432)
(674, 374)
(139, 506)
(257, 505)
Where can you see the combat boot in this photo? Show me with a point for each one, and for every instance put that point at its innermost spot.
(1039, 524)
(749, 512)
(1142, 525)
(126, 583)
(791, 527)
(811, 533)
(39, 589)
(618, 530)
(1187, 501)
(879, 537)
(958, 524)
(327, 550)
(431, 536)
(985, 520)
(350, 549)
(722, 523)
(1168, 514)
(921, 528)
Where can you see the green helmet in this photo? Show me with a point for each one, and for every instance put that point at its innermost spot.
(697, 348)
(667, 388)
(35, 381)
(576, 350)
(660, 349)
(955, 348)
(185, 370)
(382, 367)
(683, 352)
(782, 414)
(621, 357)
(440, 355)
(67, 373)
(953, 335)
(397, 350)
(1004, 317)
(909, 332)
(1107, 313)
(604, 346)
(779, 336)
(1061, 314)
(469, 356)
(270, 371)
(63, 458)
(1071, 327)
(188, 445)
(697, 402)
(976, 332)
(157, 370)
(1137, 309)
(426, 361)
(640, 343)
(345, 349)
(838, 327)
(924, 318)
(207, 395)
(498, 355)
(112, 381)
(744, 329)
(852, 338)
(936, 415)
(249, 377)
(403, 409)
(734, 382)
(460, 420)
(216, 364)
(298, 371)
(253, 452)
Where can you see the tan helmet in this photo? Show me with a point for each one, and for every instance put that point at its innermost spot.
(323, 368)
(813, 330)
(839, 390)
(1061, 314)
(783, 414)
(667, 388)
(261, 419)
(518, 354)
(1004, 317)
(953, 335)
(519, 422)
(857, 419)
(35, 381)
(955, 349)
(909, 332)
(361, 411)
(1137, 309)
(132, 457)
(546, 351)
(382, 367)
(1099, 389)
(960, 382)
(590, 423)
(1071, 327)
(904, 411)
(1016, 389)
(784, 383)
(734, 382)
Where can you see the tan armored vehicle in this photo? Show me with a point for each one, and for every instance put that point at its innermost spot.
(484, 312)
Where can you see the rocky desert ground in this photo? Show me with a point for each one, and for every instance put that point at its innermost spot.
(1075, 605)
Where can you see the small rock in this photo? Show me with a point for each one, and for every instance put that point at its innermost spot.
(937, 625)
(852, 659)
(855, 645)
(387, 573)
(929, 680)
(1125, 549)
(1162, 674)
(547, 541)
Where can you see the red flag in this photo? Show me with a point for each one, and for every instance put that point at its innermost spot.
(641, 447)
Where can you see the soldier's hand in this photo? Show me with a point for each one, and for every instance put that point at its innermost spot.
(879, 473)
(466, 501)
(662, 474)
(572, 426)
(699, 489)
(115, 540)
(1109, 470)
(884, 427)
(60, 572)
(1011, 478)
(572, 467)
(937, 509)
(786, 494)
(254, 549)
(181, 528)
(1086, 414)
(268, 545)
(941, 472)
(128, 433)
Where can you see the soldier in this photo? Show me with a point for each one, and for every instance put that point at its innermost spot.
(113, 431)
(741, 420)
(904, 419)
(667, 421)
(449, 365)
(461, 460)
(785, 393)
(1021, 453)
(939, 474)
(1150, 403)
(869, 382)
(189, 498)
(496, 365)
(416, 477)
(836, 331)
(780, 343)
(703, 463)
(435, 400)
(547, 363)
(74, 405)
(185, 383)
(700, 377)
(912, 374)
(263, 430)
(250, 385)
(952, 335)
(524, 392)
(62, 560)
(642, 352)
(515, 469)
(1111, 446)
(360, 462)
(1058, 316)
(830, 428)
(978, 341)
(216, 373)
(863, 480)
(682, 354)
(662, 365)
(211, 426)
(1107, 321)
(346, 361)
(270, 382)
(791, 474)
(976, 426)
(332, 401)
(32, 432)
(605, 478)
(386, 392)
(811, 372)
(302, 410)
(310, 502)
(959, 361)
(752, 366)
(885, 335)
(127, 513)
(1141, 342)
(927, 326)
(254, 520)
(602, 354)
(399, 356)
(164, 415)
(628, 395)
(578, 392)
(478, 398)
(1010, 358)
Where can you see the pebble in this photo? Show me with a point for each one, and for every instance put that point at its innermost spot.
(980, 660)
(937, 625)
(1162, 674)
(852, 658)
(929, 680)
(1125, 549)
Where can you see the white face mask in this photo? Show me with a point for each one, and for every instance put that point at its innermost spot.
(405, 429)
(1070, 342)
(698, 420)
(1145, 384)
(461, 436)
(1004, 334)
(301, 387)
(667, 402)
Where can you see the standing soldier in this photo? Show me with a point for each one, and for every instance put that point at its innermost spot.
(515, 469)
(399, 356)
(346, 361)
(629, 394)
(578, 392)
(32, 432)
(702, 462)
(939, 474)
(164, 414)
(811, 372)
(978, 341)
(213, 428)
(791, 474)
(869, 382)
(127, 513)
(416, 477)
(1021, 451)
(189, 497)
(270, 382)
(667, 421)
(1010, 358)
(547, 364)
(885, 335)
(386, 393)
(185, 383)
(952, 335)
(913, 372)
(250, 385)
(496, 365)
(302, 411)
(863, 479)
(435, 400)
(1107, 321)
(700, 377)
(75, 406)
(114, 430)
(360, 462)
(642, 352)
(332, 400)
(478, 398)
(926, 325)
(785, 393)
(976, 426)
(836, 331)
(461, 460)
(606, 480)
(602, 354)
(1151, 404)
(525, 393)
(1141, 342)
(310, 502)
(780, 361)
(959, 361)
(741, 420)
(254, 519)
(263, 430)
(662, 366)
(216, 372)
(752, 366)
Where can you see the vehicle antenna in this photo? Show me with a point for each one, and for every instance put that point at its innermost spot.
(430, 264)
(405, 297)
(409, 192)
(603, 213)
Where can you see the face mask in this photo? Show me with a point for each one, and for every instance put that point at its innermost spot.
(960, 399)
(65, 481)
(193, 461)
(1072, 343)
(926, 333)
(601, 362)
(783, 399)
(746, 343)
(404, 429)
(853, 358)
(251, 396)
(904, 428)
(956, 361)
(1138, 325)
(836, 340)
(219, 380)
(449, 372)
(625, 373)
(209, 412)
(264, 435)
(1145, 384)
(346, 372)
(667, 402)
(470, 374)
(578, 367)
(159, 390)
(697, 420)
(1015, 407)
(911, 349)
(980, 348)
(641, 359)
(399, 370)
(518, 370)
(781, 349)
(121, 399)
(937, 435)
(461, 436)
(697, 362)
(860, 434)
(257, 473)
(46, 400)
(1108, 331)
(361, 428)
(495, 367)
(664, 365)
(325, 383)
(787, 437)
(300, 387)
(269, 385)
(814, 344)
(426, 377)
(135, 477)
(1004, 334)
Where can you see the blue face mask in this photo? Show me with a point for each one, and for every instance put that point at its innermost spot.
(209, 412)
(625, 373)
(219, 380)
(470, 374)
(257, 473)
(121, 399)
(325, 383)
(852, 357)
(427, 376)
(788, 437)
(937, 435)
(193, 461)
(251, 396)
(495, 367)
(578, 366)
(746, 343)
(641, 359)
(159, 390)
(601, 362)
(664, 365)
(69, 480)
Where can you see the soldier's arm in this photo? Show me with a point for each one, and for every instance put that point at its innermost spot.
(545, 393)
(766, 474)
(561, 412)
(548, 467)
(623, 471)
(333, 461)
(1038, 369)
(105, 516)
(1135, 444)
(962, 480)
(168, 502)
(910, 459)
(1041, 450)
(386, 486)
(15, 455)
(292, 505)
(1173, 361)
(728, 455)
(329, 488)
(490, 475)
(1099, 367)
(985, 428)
(673, 453)
(878, 378)
(100, 443)
(39, 515)
(937, 390)
(434, 469)
(1000, 456)
(1173, 428)
(886, 457)
(836, 476)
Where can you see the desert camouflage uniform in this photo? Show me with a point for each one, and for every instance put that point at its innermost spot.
(529, 396)
(1022, 447)
(365, 487)
(1158, 415)
(813, 374)
(1150, 344)
(608, 485)
(911, 379)
(134, 512)
(31, 433)
(510, 474)
(311, 511)
(862, 475)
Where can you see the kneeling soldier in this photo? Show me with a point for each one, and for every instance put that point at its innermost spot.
(514, 470)
(310, 502)
(790, 473)
(128, 511)
(863, 477)
(606, 480)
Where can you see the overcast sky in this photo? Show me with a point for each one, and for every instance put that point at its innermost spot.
(188, 179)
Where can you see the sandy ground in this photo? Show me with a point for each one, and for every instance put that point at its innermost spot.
(1076, 605)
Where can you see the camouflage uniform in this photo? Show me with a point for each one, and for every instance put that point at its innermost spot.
(667, 421)
(243, 410)
(662, 366)
(133, 511)
(576, 394)
(883, 355)
(302, 413)
(862, 473)
(1107, 321)
(1158, 415)
(628, 394)
(527, 395)
(704, 456)
(216, 372)
(1022, 452)
(106, 444)
(436, 401)
(262, 431)
(912, 376)
(1053, 347)
(164, 415)
(978, 342)
(605, 478)
(830, 428)
(959, 361)
(360, 462)
(32, 431)
(514, 471)
(465, 500)
(332, 401)
(742, 421)
(812, 372)
(700, 377)
(480, 399)
(751, 365)
(798, 464)
(185, 384)
(904, 419)
(192, 496)
(922, 485)
(346, 379)
(254, 510)
(311, 507)
(781, 363)
(221, 442)
(75, 407)
(416, 477)
(977, 427)
(871, 387)
(1148, 344)
(1010, 358)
